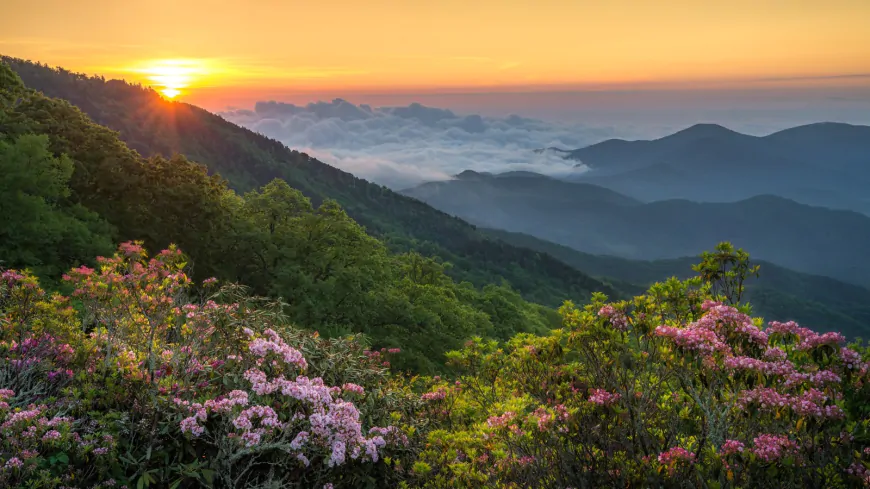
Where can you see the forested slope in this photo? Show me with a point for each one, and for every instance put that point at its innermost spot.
(154, 126)
(73, 189)
(814, 300)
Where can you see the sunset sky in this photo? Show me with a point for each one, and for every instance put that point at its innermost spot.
(227, 52)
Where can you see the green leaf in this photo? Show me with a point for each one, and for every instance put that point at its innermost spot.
(208, 474)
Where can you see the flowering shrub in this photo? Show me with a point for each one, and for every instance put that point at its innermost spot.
(141, 378)
(679, 387)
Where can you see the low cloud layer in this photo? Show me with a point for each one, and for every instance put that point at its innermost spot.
(403, 146)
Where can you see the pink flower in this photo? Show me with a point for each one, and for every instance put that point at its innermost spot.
(14, 463)
(676, 455)
(501, 421)
(603, 398)
(436, 395)
(773, 447)
(51, 435)
(356, 389)
(616, 317)
(731, 447)
(851, 359)
(190, 425)
(299, 441)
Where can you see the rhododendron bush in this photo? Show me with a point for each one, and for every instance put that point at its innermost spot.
(138, 377)
(680, 387)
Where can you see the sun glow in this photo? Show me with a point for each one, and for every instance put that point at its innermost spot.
(172, 77)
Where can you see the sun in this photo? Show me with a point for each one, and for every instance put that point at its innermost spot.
(170, 92)
(172, 77)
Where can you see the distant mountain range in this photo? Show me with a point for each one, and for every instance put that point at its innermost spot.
(824, 164)
(598, 220)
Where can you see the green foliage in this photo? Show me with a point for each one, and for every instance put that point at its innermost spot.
(670, 389)
(333, 276)
(39, 229)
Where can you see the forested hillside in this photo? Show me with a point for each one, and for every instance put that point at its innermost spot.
(814, 300)
(74, 189)
(597, 220)
(153, 126)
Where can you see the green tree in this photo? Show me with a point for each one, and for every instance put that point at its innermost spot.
(37, 229)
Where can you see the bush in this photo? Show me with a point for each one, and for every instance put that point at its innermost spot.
(676, 388)
(150, 381)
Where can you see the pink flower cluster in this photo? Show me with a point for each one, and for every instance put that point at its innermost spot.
(435, 395)
(676, 455)
(696, 339)
(777, 368)
(331, 423)
(731, 447)
(815, 340)
(5, 394)
(616, 317)
(858, 470)
(501, 421)
(273, 342)
(707, 335)
(543, 418)
(773, 447)
(819, 379)
(353, 388)
(851, 359)
(789, 328)
(809, 403)
(602, 397)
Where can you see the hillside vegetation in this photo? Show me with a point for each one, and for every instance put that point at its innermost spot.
(153, 126)
(814, 300)
(79, 189)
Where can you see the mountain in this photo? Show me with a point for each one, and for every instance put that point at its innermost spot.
(778, 293)
(825, 164)
(597, 220)
(496, 200)
(154, 126)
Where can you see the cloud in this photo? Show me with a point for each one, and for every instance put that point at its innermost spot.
(404, 146)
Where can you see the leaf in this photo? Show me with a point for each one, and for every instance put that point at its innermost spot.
(141, 483)
(62, 457)
(208, 474)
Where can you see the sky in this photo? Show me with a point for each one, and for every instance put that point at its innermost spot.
(218, 53)
(577, 72)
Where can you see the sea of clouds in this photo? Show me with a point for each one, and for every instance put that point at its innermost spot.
(401, 147)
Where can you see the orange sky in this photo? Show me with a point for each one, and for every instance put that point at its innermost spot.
(384, 45)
